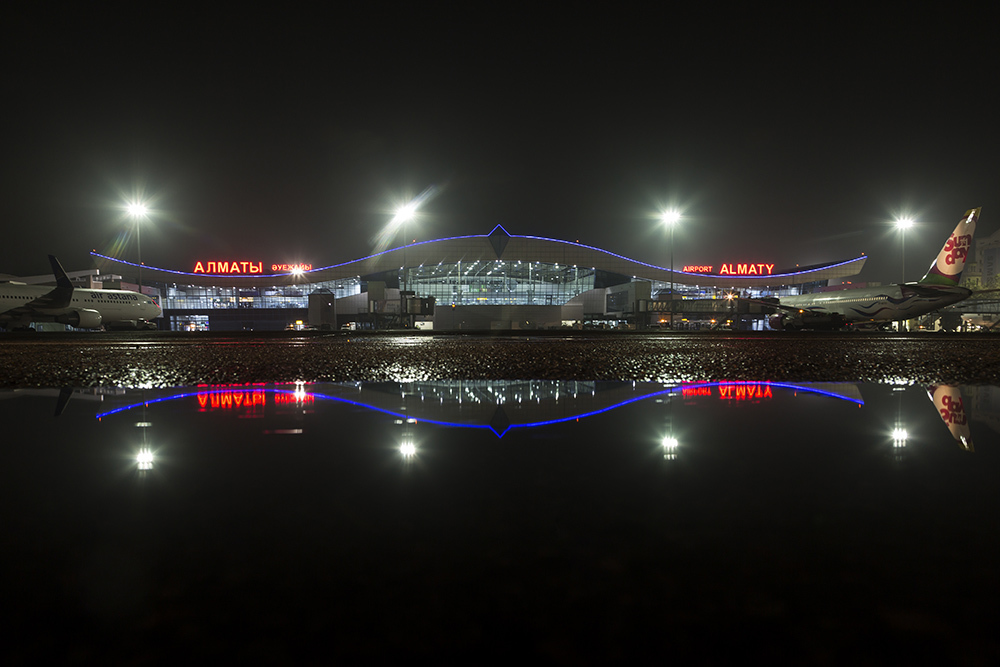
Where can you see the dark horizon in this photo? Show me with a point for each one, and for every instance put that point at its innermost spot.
(790, 138)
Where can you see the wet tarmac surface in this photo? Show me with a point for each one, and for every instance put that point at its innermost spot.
(152, 359)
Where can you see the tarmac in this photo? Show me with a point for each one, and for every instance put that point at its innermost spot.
(169, 359)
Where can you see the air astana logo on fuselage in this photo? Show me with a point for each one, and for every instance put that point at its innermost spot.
(113, 296)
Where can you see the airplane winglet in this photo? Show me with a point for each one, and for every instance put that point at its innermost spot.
(62, 280)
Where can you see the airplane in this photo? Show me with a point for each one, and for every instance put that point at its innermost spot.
(21, 304)
(938, 288)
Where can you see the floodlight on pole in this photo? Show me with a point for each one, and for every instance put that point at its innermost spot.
(403, 215)
(671, 218)
(902, 224)
(138, 212)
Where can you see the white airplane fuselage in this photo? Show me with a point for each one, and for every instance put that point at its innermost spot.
(87, 308)
(879, 304)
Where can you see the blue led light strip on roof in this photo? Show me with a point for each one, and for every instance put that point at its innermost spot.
(486, 236)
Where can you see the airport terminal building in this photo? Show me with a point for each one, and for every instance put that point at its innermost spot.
(490, 281)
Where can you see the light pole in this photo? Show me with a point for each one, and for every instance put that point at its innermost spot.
(902, 225)
(137, 211)
(403, 215)
(671, 218)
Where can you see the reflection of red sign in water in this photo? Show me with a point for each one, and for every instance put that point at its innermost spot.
(744, 392)
(248, 400)
(296, 398)
(736, 391)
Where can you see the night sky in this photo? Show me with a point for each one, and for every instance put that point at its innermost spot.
(283, 136)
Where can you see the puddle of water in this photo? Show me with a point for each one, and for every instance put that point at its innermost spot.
(578, 520)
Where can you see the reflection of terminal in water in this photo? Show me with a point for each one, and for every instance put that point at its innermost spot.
(983, 404)
(496, 405)
(249, 400)
(502, 405)
(64, 395)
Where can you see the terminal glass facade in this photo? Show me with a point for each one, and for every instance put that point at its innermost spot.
(500, 283)
(196, 297)
(460, 284)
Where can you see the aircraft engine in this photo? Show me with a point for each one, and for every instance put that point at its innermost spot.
(798, 321)
(122, 325)
(84, 318)
(783, 322)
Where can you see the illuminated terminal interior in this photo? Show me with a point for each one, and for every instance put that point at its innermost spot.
(492, 281)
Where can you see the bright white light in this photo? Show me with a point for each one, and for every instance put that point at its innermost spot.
(137, 210)
(297, 271)
(670, 445)
(405, 213)
(670, 217)
(408, 450)
(144, 459)
(904, 223)
(899, 436)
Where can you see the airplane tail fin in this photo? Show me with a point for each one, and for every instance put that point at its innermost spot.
(62, 280)
(947, 268)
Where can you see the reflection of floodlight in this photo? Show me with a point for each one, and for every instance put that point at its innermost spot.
(144, 459)
(899, 436)
(670, 446)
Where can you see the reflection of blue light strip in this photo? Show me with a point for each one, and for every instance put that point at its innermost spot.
(500, 434)
(126, 408)
(478, 236)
